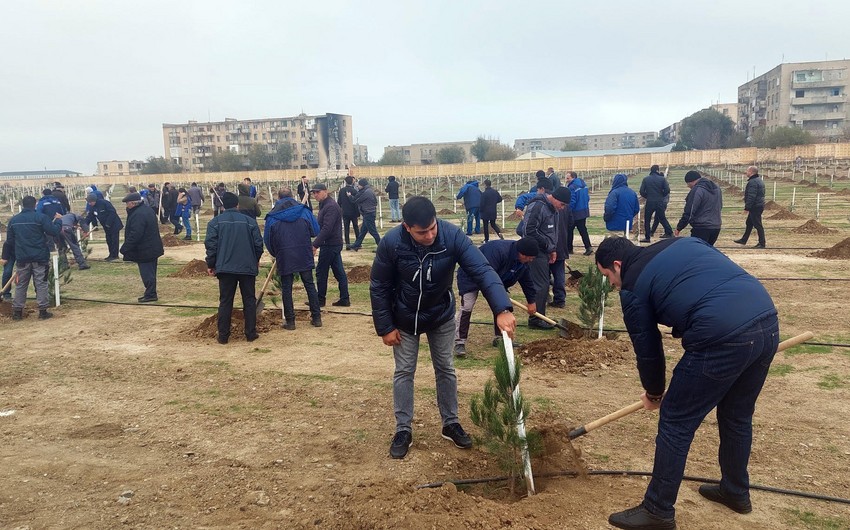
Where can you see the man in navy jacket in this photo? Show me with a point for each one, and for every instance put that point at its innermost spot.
(411, 292)
(471, 195)
(101, 211)
(686, 284)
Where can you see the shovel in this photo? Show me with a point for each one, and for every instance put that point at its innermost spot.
(575, 275)
(8, 284)
(260, 304)
(625, 411)
(564, 331)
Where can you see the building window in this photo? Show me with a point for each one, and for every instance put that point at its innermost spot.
(219, 149)
(836, 91)
(255, 136)
(799, 93)
(106, 167)
(120, 166)
(303, 134)
(218, 138)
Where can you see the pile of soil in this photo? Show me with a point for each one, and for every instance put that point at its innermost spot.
(6, 310)
(194, 269)
(783, 214)
(266, 321)
(446, 211)
(576, 355)
(773, 205)
(844, 191)
(442, 198)
(812, 227)
(506, 197)
(170, 240)
(359, 274)
(840, 250)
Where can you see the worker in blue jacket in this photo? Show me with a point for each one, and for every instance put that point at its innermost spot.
(471, 195)
(621, 205)
(688, 285)
(101, 211)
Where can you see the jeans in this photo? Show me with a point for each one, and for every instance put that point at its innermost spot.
(406, 355)
(395, 212)
(559, 281)
(226, 291)
(487, 224)
(37, 270)
(147, 270)
(187, 216)
(659, 210)
(464, 317)
(348, 222)
(473, 213)
(69, 240)
(286, 281)
(581, 225)
(112, 241)
(709, 235)
(730, 377)
(539, 270)
(330, 258)
(754, 221)
(367, 228)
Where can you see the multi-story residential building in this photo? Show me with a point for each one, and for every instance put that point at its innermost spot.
(727, 109)
(120, 167)
(589, 141)
(418, 154)
(318, 141)
(811, 95)
(361, 154)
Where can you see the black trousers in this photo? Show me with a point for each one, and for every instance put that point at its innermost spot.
(581, 225)
(487, 224)
(226, 291)
(660, 212)
(348, 221)
(112, 241)
(754, 221)
(147, 270)
(709, 235)
(286, 281)
(539, 269)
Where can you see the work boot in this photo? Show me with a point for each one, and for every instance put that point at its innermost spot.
(44, 314)
(639, 518)
(316, 322)
(289, 324)
(712, 492)
(17, 314)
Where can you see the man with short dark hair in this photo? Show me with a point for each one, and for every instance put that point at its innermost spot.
(366, 200)
(303, 191)
(703, 206)
(686, 284)
(142, 243)
(411, 293)
(471, 196)
(392, 195)
(59, 193)
(196, 196)
(656, 190)
(753, 206)
(329, 245)
(252, 190)
(102, 212)
(490, 197)
(49, 205)
(350, 211)
(27, 234)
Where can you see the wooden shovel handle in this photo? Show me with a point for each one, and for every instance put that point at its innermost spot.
(544, 318)
(9, 283)
(266, 283)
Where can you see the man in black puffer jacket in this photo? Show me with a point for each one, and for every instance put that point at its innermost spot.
(753, 206)
(411, 292)
(702, 208)
(655, 189)
(142, 243)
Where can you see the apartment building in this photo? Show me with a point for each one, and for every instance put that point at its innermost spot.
(120, 167)
(361, 154)
(810, 95)
(419, 154)
(318, 141)
(589, 141)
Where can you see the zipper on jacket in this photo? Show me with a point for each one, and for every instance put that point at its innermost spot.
(419, 273)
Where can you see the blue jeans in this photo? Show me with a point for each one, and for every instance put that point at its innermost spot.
(187, 223)
(330, 258)
(730, 377)
(470, 214)
(406, 355)
(368, 227)
(395, 211)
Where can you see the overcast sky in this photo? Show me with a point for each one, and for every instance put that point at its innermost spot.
(89, 80)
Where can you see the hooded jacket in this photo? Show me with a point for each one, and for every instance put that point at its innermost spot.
(471, 195)
(283, 211)
(654, 188)
(411, 285)
(502, 255)
(142, 241)
(289, 237)
(392, 189)
(233, 243)
(26, 233)
(49, 206)
(579, 199)
(489, 199)
(540, 223)
(247, 204)
(59, 193)
(621, 205)
(702, 206)
(754, 193)
(366, 200)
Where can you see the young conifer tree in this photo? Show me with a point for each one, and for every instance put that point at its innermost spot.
(592, 290)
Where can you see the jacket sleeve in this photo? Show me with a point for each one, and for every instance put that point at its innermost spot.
(330, 222)
(132, 236)
(498, 197)
(473, 263)
(610, 206)
(635, 206)
(51, 227)
(522, 201)
(643, 188)
(646, 340)
(461, 191)
(382, 287)
(257, 240)
(750, 193)
(665, 188)
(686, 214)
(533, 218)
(211, 244)
(9, 245)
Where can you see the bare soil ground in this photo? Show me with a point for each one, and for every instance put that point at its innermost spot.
(133, 416)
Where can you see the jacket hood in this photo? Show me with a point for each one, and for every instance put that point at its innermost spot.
(708, 186)
(473, 183)
(244, 189)
(620, 180)
(578, 182)
(291, 210)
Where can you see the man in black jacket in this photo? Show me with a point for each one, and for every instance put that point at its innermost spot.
(753, 206)
(656, 190)
(411, 293)
(101, 211)
(329, 245)
(350, 211)
(490, 197)
(392, 195)
(366, 200)
(702, 208)
(142, 243)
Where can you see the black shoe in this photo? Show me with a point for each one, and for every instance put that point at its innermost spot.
(559, 305)
(640, 518)
(222, 339)
(145, 299)
(760, 245)
(588, 252)
(500, 235)
(342, 303)
(740, 241)
(665, 236)
(401, 443)
(321, 303)
(456, 434)
(645, 240)
(540, 324)
(355, 249)
(252, 338)
(460, 350)
(111, 258)
(17, 314)
(44, 314)
(712, 492)
(289, 325)
(347, 247)
(316, 322)
(85, 267)
(187, 238)
(178, 229)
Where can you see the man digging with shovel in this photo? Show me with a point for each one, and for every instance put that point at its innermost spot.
(730, 333)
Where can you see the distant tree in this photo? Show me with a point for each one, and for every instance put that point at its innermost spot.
(660, 142)
(709, 129)
(157, 165)
(226, 160)
(572, 145)
(260, 158)
(784, 137)
(500, 152)
(283, 156)
(392, 158)
(480, 148)
(450, 155)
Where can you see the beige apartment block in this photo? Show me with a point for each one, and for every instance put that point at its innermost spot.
(421, 154)
(727, 109)
(318, 141)
(811, 95)
(120, 167)
(590, 141)
(361, 154)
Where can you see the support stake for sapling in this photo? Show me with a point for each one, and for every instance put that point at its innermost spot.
(602, 311)
(56, 278)
(520, 421)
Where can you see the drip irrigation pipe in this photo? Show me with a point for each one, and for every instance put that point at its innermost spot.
(629, 473)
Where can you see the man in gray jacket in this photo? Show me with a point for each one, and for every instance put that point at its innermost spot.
(702, 208)
(366, 200)
(753, 206)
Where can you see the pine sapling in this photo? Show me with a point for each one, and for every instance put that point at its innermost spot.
(592, 290)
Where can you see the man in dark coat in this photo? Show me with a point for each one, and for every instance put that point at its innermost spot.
(411, 293)
(247, 204)
(753, 206)
(234, 248)
(102, 212)
(392, 195)
(350, 211)
(142, 243)
(702, 208)
(490, 197)
(26, 235)
(59, 193)
(169, 203)
(557, 269)
(329, 245)
(510, 260)
(289, 230)
(656, 190)
(366, 200)
(690, 286)
(303, 191)
(471, 195)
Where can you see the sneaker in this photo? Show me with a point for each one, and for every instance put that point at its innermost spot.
(342, 303)
(588, 252)
(456, 434)
(222, 339)
(712, 492)
(740, 241)
(187, 238)
(17, 314)
(44, 314)
(559, 305)
(401, 443)
(85, 267)
(665, 236)
(640, 518)
(316, 322)
(460, 350)
(289, 325)
(252, 338)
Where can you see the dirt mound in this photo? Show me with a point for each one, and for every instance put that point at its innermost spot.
(170, 240)
(773, 205)
(812, 227)
(266, 321)
(840, 250)
(446, 211)
(194, 269)
(844, 191)
(506, 197)
(576, 355)
(359, 274)
(6, 309)
(442, 198)
(783, 215)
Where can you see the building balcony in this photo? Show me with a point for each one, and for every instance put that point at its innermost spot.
(817, 116)
(836, 83)
(818, 100)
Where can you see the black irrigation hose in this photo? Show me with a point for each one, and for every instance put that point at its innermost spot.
(629, 473)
